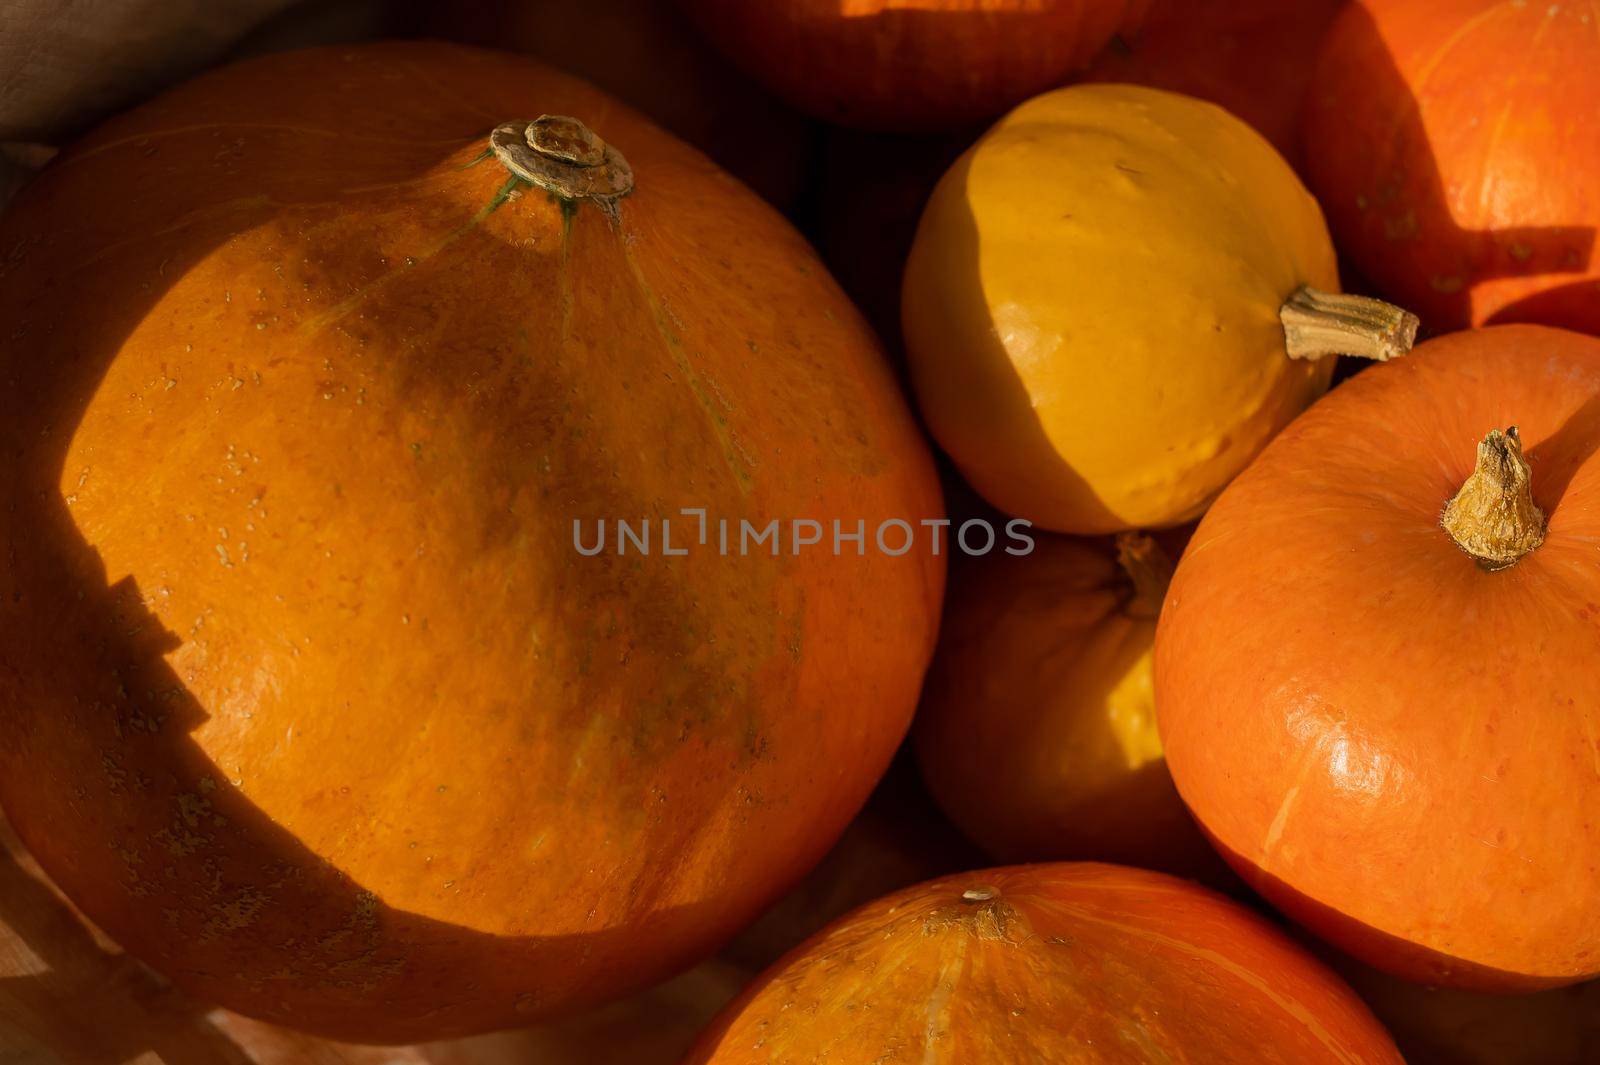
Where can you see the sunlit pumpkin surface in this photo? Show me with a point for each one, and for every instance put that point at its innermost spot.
(1091, 306)
(1074, 963)
(1396, 746)
(1452, 143)
(305, 693)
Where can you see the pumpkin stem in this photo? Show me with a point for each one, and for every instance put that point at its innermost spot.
(563, 156)
(1493, 517)
(1319, 323)
(1149, 568)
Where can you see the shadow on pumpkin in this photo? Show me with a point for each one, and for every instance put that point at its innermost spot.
(170, 856)
(1411, 961)
(1047, 476)
(92, 1006)
(1555, 459)
(1407, 214)
(992, 706)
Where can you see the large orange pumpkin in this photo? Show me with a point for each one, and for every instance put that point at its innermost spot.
(647, 54)
(1386, 710)
(1065, 963)
(1452, 144)
(1037, 729)
(912, 64)
(307, 695)
(1254, 57)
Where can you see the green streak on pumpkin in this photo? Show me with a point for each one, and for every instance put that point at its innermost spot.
(732, 456)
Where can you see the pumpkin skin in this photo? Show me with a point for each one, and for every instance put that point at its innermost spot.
(1102, 351)
(912, 67)
(1336, 678)
(1037, 729)
(647, 54)
(1253, 57)
(1048, 963)
(1431, 139)
(306, 695)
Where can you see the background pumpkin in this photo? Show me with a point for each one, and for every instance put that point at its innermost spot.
(1253, 57)
(1048, 963)
(1104, 350)
(305, 695)
(1394, 745)
(930, 65)
(1037, 729)
(647, 54)
(1451, 143)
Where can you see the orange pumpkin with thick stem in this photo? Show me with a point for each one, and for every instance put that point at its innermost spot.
(922, 65)
(1037, 729)
(1054, 964)
(306, 694)
(1376, 668)
(1452, 144)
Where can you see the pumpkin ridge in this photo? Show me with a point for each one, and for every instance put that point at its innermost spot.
(672, 344)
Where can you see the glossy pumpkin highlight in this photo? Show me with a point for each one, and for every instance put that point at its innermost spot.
(1393, 741)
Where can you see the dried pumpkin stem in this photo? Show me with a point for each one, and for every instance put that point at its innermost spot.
(1316, 324)
(563, 156)
(1493, 517)
(1149, 568)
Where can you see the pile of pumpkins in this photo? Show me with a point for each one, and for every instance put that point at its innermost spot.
(312, 367)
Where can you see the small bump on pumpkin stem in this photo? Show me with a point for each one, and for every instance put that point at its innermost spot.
(563, 156)
(1317, 324)
(1493, 517)
(1150, 570)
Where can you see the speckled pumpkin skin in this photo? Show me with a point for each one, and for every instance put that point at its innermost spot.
(305, 694)
(1049, 964)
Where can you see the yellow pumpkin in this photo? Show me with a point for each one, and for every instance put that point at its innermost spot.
(1114, 299)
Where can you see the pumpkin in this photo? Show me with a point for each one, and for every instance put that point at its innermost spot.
(912, 67)
(1105, 348)
(1048, 963)
(1254, 57)
(1375, 671)
(58, 973)
(647, 54)
(316, 691)
(1037, 729)
(1452, 143)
